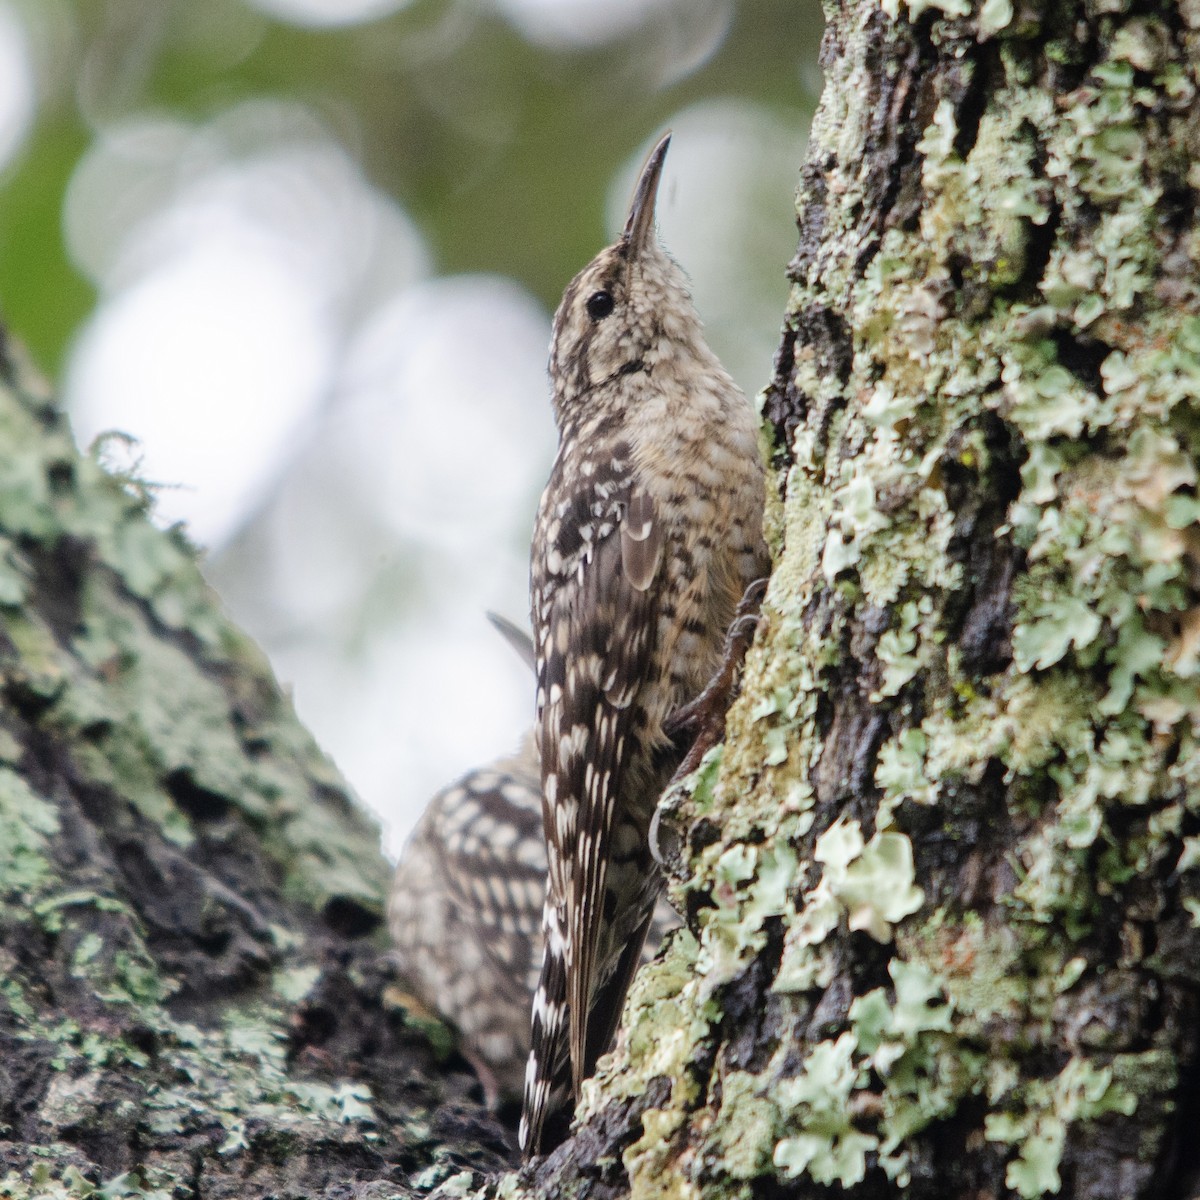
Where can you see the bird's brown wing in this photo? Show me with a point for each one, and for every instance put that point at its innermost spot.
(595, 628)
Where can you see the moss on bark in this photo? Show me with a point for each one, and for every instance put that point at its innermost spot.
(942, 884)
(191, 998)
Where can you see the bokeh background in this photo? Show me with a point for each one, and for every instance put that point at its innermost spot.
(295, 262)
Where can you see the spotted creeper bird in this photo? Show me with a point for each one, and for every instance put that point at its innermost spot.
(465, 913)
(465, 910)
(648, 533)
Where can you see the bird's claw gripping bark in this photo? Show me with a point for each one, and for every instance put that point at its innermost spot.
(701, 723)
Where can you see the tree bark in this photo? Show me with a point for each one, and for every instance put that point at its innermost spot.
(942, 884)
(191, 998)
(942, 890)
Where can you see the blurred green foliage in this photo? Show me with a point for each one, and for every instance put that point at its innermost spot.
(501, 150)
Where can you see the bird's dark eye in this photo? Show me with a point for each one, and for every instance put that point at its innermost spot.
(599, 305)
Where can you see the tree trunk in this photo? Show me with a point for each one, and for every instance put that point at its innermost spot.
(190, 1003)
(943, 888)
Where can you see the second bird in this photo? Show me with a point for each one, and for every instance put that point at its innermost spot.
(648, 533)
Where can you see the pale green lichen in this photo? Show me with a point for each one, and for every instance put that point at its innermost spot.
(870, 882)
(995, 16)
(1189, 857)
(125, 686)
(27, 823)
(132, 704)
(977, 963)
(827, 1145)
(1080, 1092)
(901, 774)
(663, 1042)
(950, 8)
(924, 1075)
(745, 1128)
(1038, 318)
(830, 1117)
(43, 1183)
(750, 885)
(898, 649)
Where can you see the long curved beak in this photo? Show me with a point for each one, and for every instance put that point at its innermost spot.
(639, 226)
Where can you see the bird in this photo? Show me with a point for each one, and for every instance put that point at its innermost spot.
(465, 913)
(465, 908)
(647, 535)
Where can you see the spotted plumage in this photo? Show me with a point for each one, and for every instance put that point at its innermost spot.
(648, 533)
(465, 912)
(466, 908)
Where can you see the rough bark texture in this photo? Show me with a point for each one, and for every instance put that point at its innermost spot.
(192, 1001)
(943, 889)
(943, 885)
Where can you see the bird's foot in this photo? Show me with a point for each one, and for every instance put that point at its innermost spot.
(700, 724)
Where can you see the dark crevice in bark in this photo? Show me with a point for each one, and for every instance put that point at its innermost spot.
(947, 1160)
(820, 329)
(827, 1019)
(978, 618)
(1039, 238)
(346, 917)
(1178, 1176)
(894, 191)
(810, 219)
(971, 98)
(829, 336)
(1063, 61)
(25, 699)
(1082, 356)
(783, 408)
(1177, 206)
(58, 583)
(588, 1165)
(854, 728)
(821, 335)
(1039, 242)
(217, 943)
(752, 1009)
(703, 1065)
(198, 802)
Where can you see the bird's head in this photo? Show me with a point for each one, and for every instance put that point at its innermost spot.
(628, 310)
